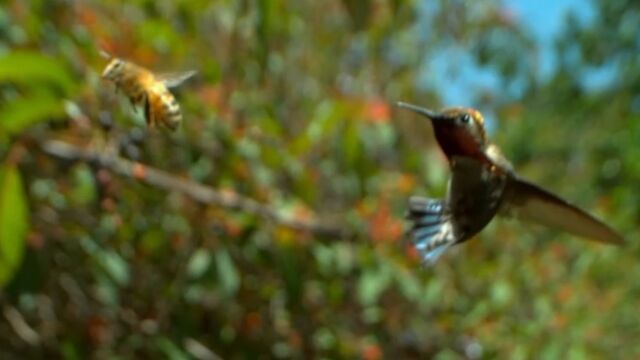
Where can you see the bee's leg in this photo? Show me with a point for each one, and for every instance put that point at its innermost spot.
(133, 104)
(147, 110)
(138, 97)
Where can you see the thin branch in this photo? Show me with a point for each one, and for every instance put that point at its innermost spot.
(197, 191)
(20, 326)
(199, 351)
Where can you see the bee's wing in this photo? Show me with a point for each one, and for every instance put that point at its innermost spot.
(171, 80)
(533, 203)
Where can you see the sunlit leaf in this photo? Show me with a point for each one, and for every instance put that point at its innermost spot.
(501, 293)
(19, 114)
(199, 263)
(14, 217)
(26, 67)
(171, 350)
(115, 266)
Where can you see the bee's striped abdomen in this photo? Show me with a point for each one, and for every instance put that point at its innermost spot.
(161, 107)
(173, 114)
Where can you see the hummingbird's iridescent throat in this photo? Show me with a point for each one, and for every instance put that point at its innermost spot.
(459, 131)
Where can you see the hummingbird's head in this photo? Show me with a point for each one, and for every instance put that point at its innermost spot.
(459, 131)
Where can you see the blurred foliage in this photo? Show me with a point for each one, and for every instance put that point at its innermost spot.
(13, 222)
(291, 108)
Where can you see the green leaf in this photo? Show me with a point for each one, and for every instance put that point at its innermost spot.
(19, 114)
(26, 67)
(351, 144)
(372, 284)
(84, 190)
(324, 121)
(227, 273)
(199, 263)
(160, 34)
(501, 293)
(115, 266)
(14, 217)
(170, 350)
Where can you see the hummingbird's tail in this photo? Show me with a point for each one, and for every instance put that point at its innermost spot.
(431, 230)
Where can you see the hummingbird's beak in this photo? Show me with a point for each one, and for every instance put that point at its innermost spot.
(422, 111)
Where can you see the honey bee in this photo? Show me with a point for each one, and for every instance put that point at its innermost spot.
(148, 90)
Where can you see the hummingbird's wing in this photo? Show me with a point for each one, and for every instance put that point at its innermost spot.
(533, 203)
(431, 231)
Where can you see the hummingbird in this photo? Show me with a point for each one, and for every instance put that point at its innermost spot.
(484, 184)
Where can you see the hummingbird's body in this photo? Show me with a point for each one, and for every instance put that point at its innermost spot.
(482, 185)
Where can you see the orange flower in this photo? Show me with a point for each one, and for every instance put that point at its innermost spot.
(377, 111)
(371, 352)
(383, 226)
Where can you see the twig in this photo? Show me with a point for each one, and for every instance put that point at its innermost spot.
(20, 326)
(199, 351)
(196, 191)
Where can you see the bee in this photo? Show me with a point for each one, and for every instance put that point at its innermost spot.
(148, 90)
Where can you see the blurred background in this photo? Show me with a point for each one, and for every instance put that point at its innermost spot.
(291, 111)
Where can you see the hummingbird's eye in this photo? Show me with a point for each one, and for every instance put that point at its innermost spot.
(466, 118)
